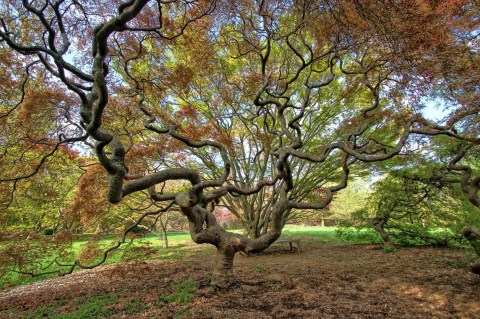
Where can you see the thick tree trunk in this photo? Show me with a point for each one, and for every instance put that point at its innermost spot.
(385, 237)
(204, 229)
(378, 224)
(388, 245)
(223, 273)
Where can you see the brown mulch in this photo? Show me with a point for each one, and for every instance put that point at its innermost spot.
(322, 281)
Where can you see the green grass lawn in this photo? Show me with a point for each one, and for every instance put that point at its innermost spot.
(147, 247)
(180, 244)
(325, 235)
(320, 234)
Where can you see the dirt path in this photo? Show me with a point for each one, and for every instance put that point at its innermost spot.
(320, 282)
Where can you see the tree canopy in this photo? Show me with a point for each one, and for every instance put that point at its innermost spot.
(253, 104)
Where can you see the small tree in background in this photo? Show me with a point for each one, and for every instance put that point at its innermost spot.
(411, 208)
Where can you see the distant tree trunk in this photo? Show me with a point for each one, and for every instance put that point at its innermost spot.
(253, 232)
(378, 223)
(164, 231)
(164, 239)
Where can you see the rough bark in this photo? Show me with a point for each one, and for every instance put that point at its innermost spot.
(378, 224)
(204, 229)
(223, 273)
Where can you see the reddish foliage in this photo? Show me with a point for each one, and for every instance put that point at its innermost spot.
(91, 250)
(224, 216)
(90, 197)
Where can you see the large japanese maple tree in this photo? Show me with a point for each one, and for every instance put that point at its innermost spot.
(231, 97)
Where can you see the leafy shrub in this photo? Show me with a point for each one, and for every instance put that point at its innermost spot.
(28, 253)
(358, 235)
(138, 230)
(48, 231)
(91, 250)
(138, 251)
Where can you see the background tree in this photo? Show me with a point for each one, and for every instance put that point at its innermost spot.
(461, 168)
(455, 70)
(409, 207)
(353, 198)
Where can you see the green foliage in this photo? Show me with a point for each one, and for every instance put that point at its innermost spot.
(39, 202)
(136, 251)
(413, 207)
(182, 292)
(27, 253)
(358, 235)
(48, 231)
(350, 200)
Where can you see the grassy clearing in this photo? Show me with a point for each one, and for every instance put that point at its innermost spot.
(318, 234)
(325, 235)
(143, 248)
(180, 245)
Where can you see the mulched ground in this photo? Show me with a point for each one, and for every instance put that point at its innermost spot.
(322, 281)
